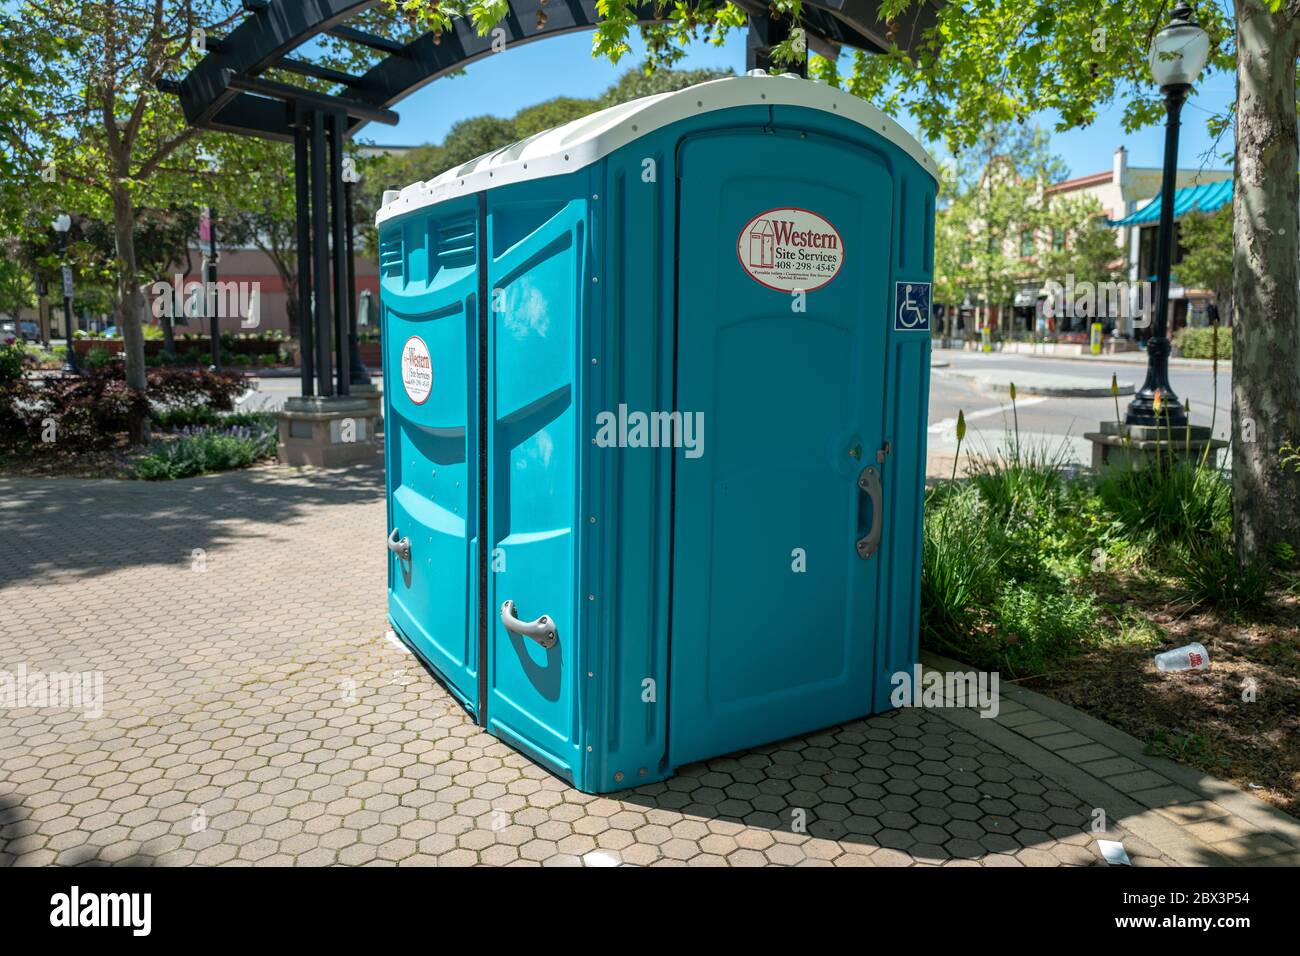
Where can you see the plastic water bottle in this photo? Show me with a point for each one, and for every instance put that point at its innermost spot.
(1191, 657)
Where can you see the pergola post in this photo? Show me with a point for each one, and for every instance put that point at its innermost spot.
(320, 255)
(302, 203)
(342, 307)
(765, 32)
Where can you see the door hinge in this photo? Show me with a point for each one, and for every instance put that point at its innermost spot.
(884, 452)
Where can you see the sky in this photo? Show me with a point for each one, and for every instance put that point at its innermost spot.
(530, 73)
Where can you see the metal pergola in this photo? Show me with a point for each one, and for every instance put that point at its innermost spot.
(229, 90)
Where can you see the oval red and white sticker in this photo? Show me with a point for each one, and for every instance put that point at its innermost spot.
(790, 249)
(417, 370)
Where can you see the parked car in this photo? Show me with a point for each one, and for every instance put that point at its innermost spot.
(29, 331)
(8, 333)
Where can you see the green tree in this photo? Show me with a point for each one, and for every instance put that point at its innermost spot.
(1207, 255)
(990, 195)
(256, 206)
(17, 290)
(106, 139)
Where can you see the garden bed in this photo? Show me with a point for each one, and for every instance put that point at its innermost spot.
(78, 425)
(1198, 718)
(219, 443)
(1071, 583)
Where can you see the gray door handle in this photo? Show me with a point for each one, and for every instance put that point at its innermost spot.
(541, 630)
(400, 548)
(869, 484)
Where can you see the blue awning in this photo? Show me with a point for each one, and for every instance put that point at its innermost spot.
(1206, 197)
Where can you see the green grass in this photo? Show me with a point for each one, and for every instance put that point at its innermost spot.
(1208, 572)
(1013, 557)
(1175, 503)
(1175, 746)
(1003, 563)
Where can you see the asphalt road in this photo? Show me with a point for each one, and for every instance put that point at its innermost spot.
(1056, 424)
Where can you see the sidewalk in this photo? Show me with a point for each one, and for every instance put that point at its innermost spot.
(1137, 357)
(255, 712)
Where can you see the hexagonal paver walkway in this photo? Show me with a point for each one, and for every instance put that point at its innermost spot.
(255, 711)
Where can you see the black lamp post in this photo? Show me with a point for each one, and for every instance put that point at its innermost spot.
(62, 223)
(211, 300)
(1178, 54)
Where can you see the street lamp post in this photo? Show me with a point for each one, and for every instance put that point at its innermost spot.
(62, 223)
(1178, 54)
(211, 301)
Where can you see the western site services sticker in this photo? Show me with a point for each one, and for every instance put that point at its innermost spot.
(417, 370)
(790, 249)
(911, 307)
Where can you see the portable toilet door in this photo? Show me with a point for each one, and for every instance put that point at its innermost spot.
(784, 359)
(429, 273)
(750, 257)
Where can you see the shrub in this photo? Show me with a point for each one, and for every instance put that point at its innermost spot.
(1199, 343)
(960, 555)
(86, 411)
(258, 420)
(11, 364)
(200, 416)
(92, 410)
(1025, 481)
(97, 357)
(1170, 503)
(1208, 572)
(206, 450)
(191, 386)
(186, 416)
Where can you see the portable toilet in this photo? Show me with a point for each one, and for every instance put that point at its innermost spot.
(655, 385)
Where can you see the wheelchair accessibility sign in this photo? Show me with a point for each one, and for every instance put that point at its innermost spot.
(911, 306)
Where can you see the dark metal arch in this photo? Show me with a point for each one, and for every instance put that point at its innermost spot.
(228, 91)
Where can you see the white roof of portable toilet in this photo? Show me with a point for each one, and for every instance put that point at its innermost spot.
(583, 141)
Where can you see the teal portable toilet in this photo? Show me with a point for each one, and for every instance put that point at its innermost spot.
(655, 386)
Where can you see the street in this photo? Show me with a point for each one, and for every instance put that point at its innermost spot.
(1058, 423)
(1054, 422)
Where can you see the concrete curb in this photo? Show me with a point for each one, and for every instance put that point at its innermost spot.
(1066, 388)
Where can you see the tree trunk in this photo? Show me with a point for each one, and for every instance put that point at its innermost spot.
(1266, 329)
(132, 305)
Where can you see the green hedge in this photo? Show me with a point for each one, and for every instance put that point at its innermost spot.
(1199, 343)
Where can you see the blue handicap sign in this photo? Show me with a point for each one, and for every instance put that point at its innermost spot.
(911, 306)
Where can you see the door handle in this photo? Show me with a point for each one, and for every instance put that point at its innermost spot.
(400, 548)
(869, 484)
(541, 630)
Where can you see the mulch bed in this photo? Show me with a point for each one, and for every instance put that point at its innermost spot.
(1199, 718)
(111, 462)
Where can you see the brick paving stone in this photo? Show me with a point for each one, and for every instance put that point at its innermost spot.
(255, 714)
